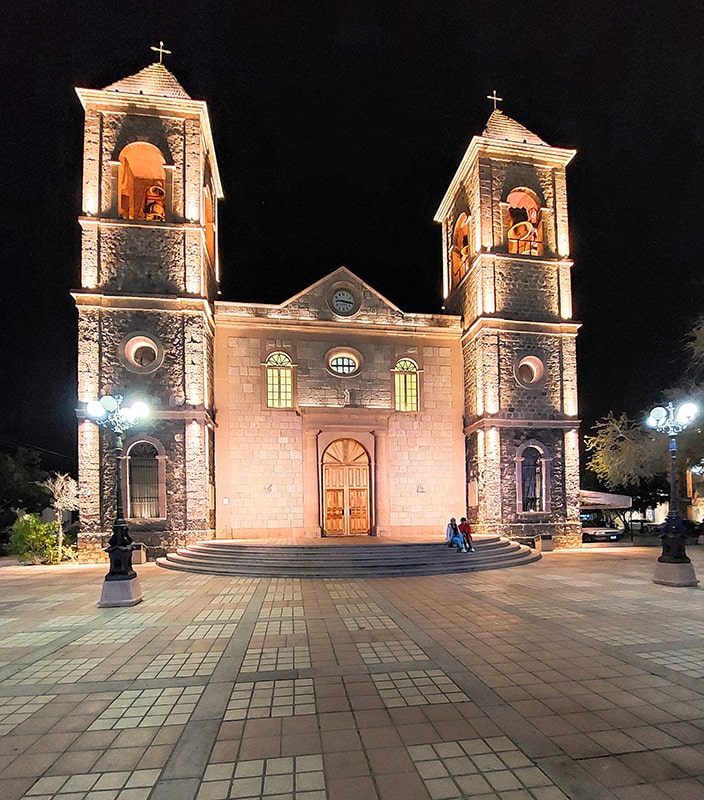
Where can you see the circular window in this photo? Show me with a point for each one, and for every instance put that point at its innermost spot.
(142, 352)
(529, 371)
(344, 362)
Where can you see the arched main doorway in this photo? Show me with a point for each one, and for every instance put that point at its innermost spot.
(346, 489)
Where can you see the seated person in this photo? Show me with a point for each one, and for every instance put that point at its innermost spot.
(466, 531)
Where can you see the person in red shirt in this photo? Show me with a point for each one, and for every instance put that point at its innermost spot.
(466, 531)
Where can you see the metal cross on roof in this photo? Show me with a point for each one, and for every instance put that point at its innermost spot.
(161, 52)
(492, 96)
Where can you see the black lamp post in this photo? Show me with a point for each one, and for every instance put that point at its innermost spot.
(674, 567)
(108, 412)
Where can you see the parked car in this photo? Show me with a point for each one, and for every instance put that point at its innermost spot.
(596, 528)
(641, 527)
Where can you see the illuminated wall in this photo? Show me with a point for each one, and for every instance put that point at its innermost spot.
(268, 475)
(147, 275)
(513, 292)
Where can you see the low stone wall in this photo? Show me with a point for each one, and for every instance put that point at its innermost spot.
(91, 547)
(564, 534)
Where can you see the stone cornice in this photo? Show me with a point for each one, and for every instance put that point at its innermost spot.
(372, 327)
(117, 222)
(344, 417)
(490, 255)
(484, 423)
(482, 324)
(172, 305)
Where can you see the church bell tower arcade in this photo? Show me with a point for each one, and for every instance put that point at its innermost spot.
(507, 274)
(149, 276)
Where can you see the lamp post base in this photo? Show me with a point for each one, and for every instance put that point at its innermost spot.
(119, 594)
(675, 574)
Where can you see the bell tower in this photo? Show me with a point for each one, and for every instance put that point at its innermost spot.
(506, 272)
(149, 276)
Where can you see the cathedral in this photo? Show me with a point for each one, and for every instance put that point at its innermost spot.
(334, 412)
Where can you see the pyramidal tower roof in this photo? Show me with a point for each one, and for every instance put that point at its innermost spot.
(154, 80)
(499, 126)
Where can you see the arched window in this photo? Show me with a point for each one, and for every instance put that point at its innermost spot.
(532, 479)
(525, 227)
(142, 183)
(143, 495)
(279, 381)
(209, 208)
(406, 385)
(460, 249)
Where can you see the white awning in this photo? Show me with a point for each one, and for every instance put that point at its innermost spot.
(589, 501)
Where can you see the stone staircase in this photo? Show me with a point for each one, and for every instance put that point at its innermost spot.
(327, 559)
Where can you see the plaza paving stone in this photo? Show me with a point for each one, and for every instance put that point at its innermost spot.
(571, 677)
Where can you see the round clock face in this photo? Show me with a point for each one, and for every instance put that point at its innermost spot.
(343, 301)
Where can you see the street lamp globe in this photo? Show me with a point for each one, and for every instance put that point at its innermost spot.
(657, 415)
(674, 568)
(686, 413)
(121, 587)
(95, 409)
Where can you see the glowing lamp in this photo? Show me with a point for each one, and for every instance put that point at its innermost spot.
(109, 413)
(95, 409)
(674, 568)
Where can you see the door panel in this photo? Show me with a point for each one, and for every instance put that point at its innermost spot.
(334, 500)
(346, 489)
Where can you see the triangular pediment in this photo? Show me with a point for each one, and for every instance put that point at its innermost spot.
(154, 80)
(339, 298)
(319, 295)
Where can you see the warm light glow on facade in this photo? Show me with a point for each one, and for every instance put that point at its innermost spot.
(491, 379)
(572, 473)
(492, 473)
(565, 292)
(570, 400)
(90, 203)
(488, 300)
(89, 484)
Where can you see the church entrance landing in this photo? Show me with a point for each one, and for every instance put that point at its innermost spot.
(346, 507)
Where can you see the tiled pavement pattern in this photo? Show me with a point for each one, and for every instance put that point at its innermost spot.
(572, 677)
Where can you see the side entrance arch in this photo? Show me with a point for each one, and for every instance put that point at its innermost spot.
(346, 481)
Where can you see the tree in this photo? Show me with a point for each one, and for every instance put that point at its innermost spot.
(624, 452)
(627, 456)
(630, 458)
(32, 540)
(694, 344)
(63, 490)
(21, 478)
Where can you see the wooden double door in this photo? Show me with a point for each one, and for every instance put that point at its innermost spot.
(346, 469)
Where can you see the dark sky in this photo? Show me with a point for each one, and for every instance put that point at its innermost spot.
(338, 127)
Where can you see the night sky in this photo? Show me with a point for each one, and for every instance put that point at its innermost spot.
(338, 126)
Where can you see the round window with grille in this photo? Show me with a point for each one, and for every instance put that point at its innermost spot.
(344, 363)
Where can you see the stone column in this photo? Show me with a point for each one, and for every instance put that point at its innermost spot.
(311, 493)
(380, 477)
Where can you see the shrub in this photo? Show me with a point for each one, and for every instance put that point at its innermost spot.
(35, 542)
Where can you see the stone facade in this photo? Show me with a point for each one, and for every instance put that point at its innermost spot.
(348, 447)
(512, 291)
(266, 456)
(148, 279)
